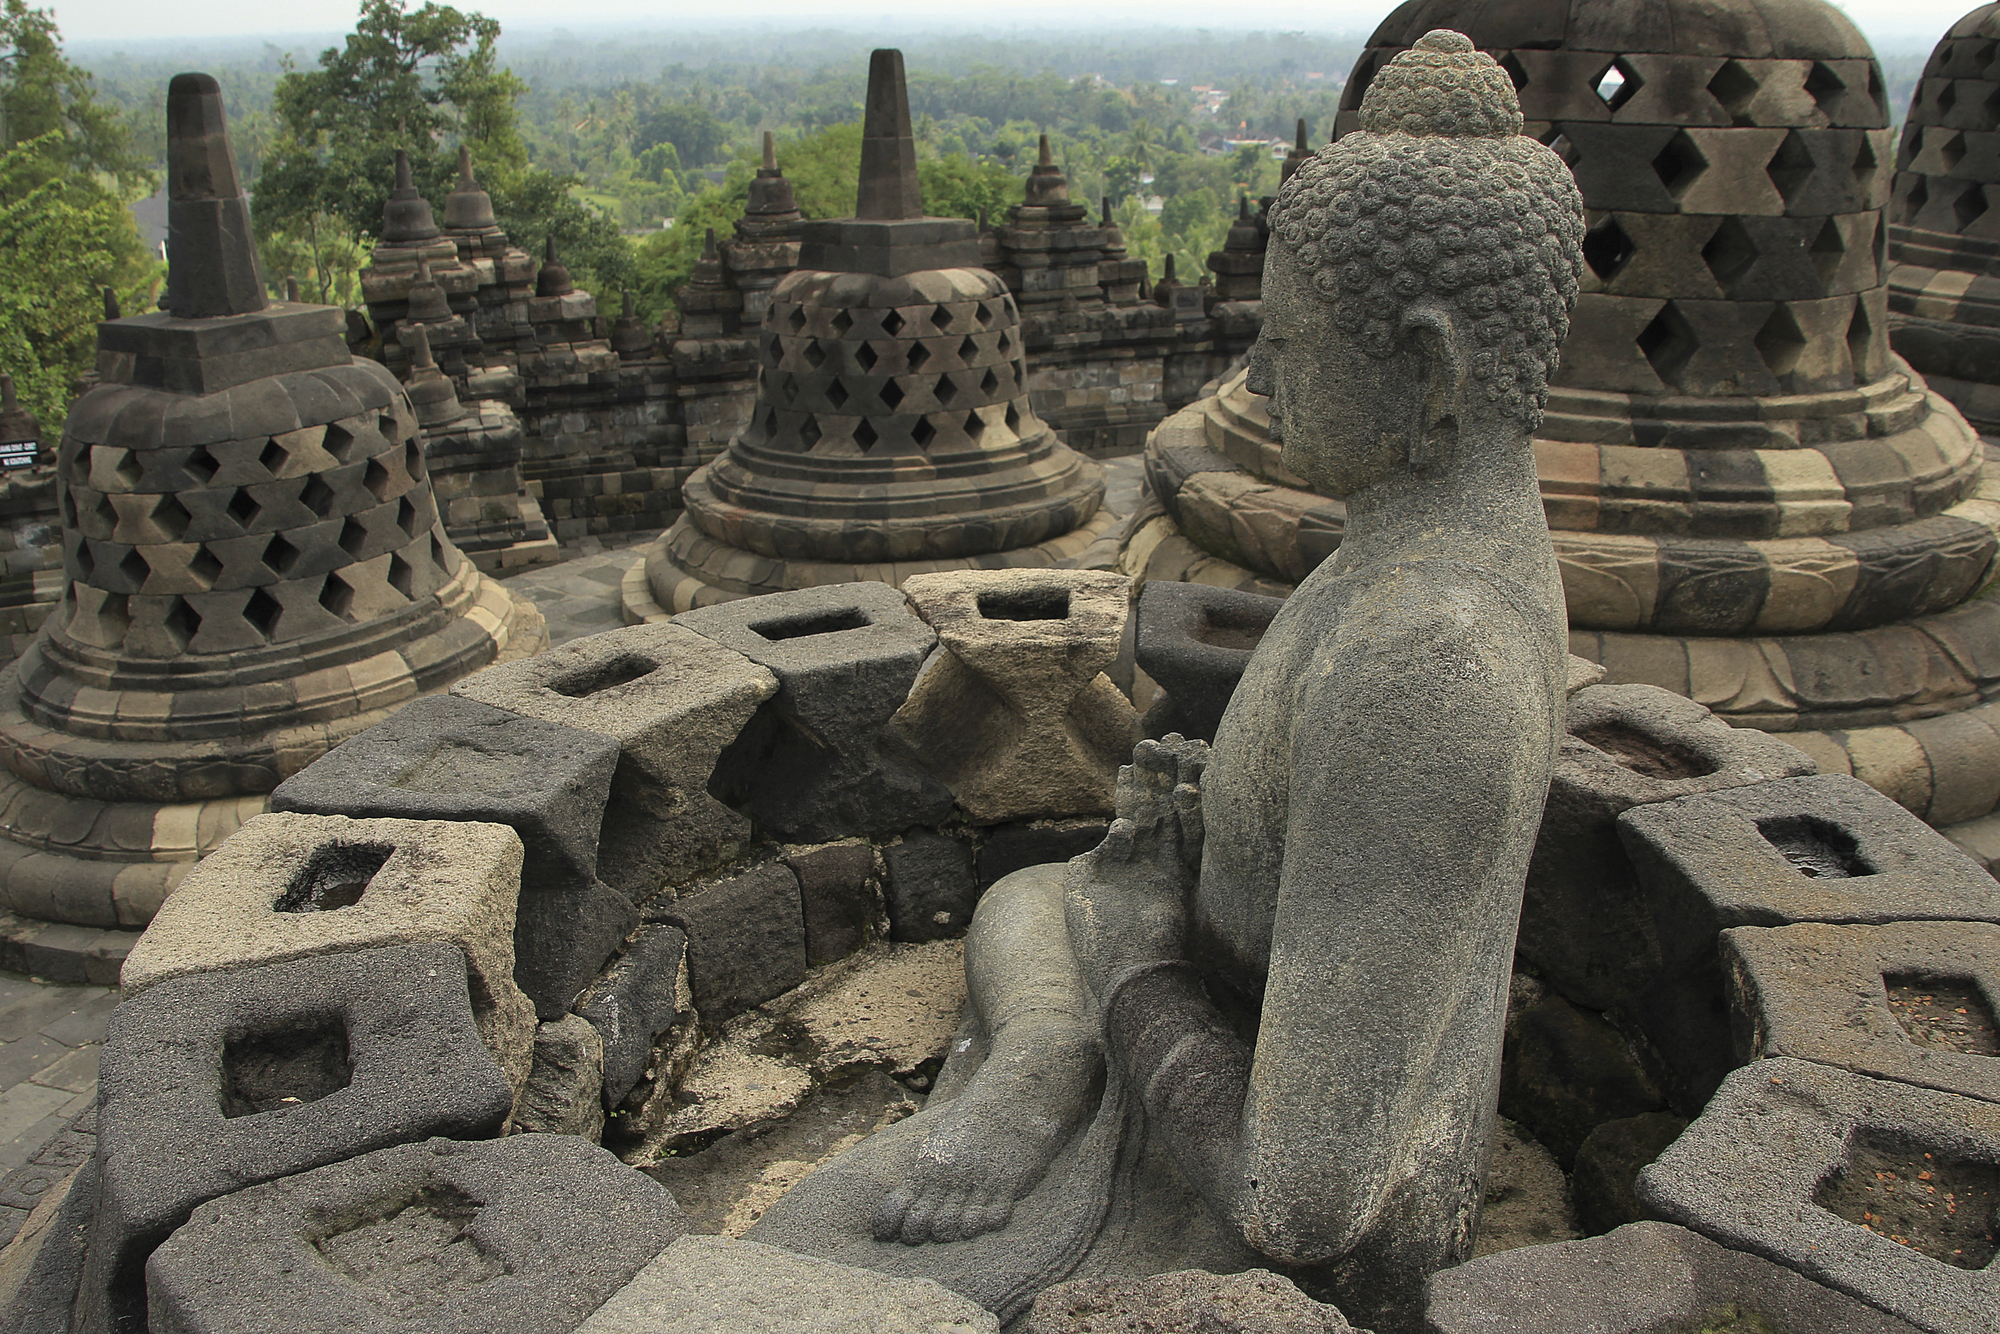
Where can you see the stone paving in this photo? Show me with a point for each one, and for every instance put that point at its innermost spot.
(579, 596)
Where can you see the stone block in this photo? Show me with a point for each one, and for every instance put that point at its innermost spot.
(219, 1080)
(1827, 848)
(838, 897)
(1014, 712)
(1605, 1183)
(1567, 1072)
(525, 1235)
(1585, 923)
(702, 1284)
(673, 700)
(40, 1267)
(564, 1092)
(1012, 847)
(445, 758)
(1195, 640)
(1885, 1191)
(1256, 1301)
(288, 886)
(814, 766)
(635, 1002)
(1910, 1001)
(1641, 1279)
(746, 939)
(930, 886)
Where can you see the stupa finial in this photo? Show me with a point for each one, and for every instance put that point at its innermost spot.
(770, 151)
(889, 188)
(211, 250)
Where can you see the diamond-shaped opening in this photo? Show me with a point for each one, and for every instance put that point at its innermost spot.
(376, 478)
(989, 382)
(318, 496)
(128, 469)
(1914, 201)
(941, 318)
(1982, 58)
(1989, 111)
(1947, 97)
(1791, 166)
(1824, 84)
(1734, 87)
(1607, 249)
(135, 569)
(402, 578)
(183, 623)
(773, 353)
(947, 390)
(205, 567)
(69, 509)
(813, 353)
(975, 426)
(1007, 305)
(353, 538)
(263, 610)
(1729, 253)
(1560, 145)
(172, 517)
(201, 464)
(1668, 343)
(836, 394)
(1970, 205)
(892, 324)
(406, 516)
(281, 556)
(1679, 164)
(338, 441)
(336, 595)
(385, 422)
(1617, 83)
(892, 396)
(923, 433)
(865, 435)
(1859, 330)
(1952, 152)
(438, 557)
(797, 319)
(1827, 250)
(984, 314)
(413, 460)
(273, 457)
(1865, 166)
(1907, 147)
(809, 432)
(106, 513)
(1515, 70)
(788, 386)
(842, 322)
(243, 507)
(918, 356)
(1013, 418)
(968, 348)
(865, 357)
(1781, 342)
(86, 563)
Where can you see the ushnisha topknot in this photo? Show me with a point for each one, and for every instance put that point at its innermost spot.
(1442, 86)
(1425, 202)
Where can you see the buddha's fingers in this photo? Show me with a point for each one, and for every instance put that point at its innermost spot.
(887, 1225)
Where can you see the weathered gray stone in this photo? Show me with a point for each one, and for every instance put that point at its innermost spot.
(1195, 641)
(526, 1235)
(219, 1080)
(1585, 923)
(929, 885)
(1566, 1072)
(1820, 1170)
(1641, 1279)
(673, 700)
(1866, 998)
(289, 886)
(838, 894)
(703, 1284)
(1255, 1302)
(564, 1095)
(813, 766)
(1605, 1181)
(40, 1266)
(639, 999)
(746, 939)
(1013, 847)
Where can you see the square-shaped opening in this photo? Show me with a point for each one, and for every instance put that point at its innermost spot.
(334, 877)
(1819, 849)
(599, 677)
(1028, 604)
(1935, 1203)
(812, 623)
(1644, 753)
(414, 1252)
(1947, 1012)
(300, 1062)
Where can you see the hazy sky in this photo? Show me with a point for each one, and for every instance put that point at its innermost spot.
(1890, 23)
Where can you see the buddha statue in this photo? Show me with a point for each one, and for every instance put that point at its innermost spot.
(1260, 1025)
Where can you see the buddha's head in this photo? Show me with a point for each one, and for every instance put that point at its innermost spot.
(1420, 277)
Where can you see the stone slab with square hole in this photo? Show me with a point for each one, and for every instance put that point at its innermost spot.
(813, 766)
(1641, 1278)
(1911, 1001)
(672, 700)
(525, 1235)
(1014, 713)
(218, 1080)
(1584, 921)
(285, 886)
(446, 758)
(1195, 641)
(1880, 1189)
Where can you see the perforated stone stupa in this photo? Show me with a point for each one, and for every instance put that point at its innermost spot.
(1944, 228)
(255, 566)
(1755, 502)
(892, 432)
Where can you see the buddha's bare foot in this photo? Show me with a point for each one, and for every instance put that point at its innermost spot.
(991, 1145)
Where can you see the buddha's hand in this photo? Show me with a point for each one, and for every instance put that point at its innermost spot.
(1126, 899)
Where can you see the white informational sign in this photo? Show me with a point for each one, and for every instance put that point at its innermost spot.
(18, 453)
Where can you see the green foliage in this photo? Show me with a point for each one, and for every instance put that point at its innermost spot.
(660, 163)
(51, 103)
(696, 135)
(956, 186)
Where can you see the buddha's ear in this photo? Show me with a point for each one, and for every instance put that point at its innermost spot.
(1430, 333)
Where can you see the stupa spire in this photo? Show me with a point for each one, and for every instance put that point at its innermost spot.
(211, 250)
(889, 189)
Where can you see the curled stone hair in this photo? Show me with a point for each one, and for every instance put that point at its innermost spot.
(1439, 196)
